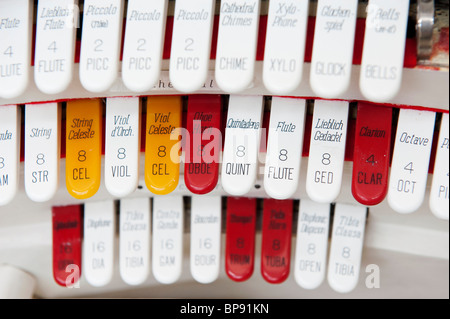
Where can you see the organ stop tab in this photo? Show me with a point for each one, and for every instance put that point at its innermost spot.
(224, 145)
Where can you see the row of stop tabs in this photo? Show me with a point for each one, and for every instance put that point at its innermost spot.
(209, 142)
(151, 235)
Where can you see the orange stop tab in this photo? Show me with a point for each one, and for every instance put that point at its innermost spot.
(83, 147)
(162, 145)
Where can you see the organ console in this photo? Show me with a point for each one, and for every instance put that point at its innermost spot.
(224, 149)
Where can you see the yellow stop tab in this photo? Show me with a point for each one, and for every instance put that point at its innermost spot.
(83, 147)
(162, 154)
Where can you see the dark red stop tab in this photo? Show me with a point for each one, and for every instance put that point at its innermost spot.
(67, 233)
(201, 171)
(372, 153)
(240, 240)
(276, 240)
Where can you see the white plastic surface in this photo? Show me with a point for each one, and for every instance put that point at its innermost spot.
(42, 150)
(410, 160)
(98, 245)
(384, 49)
(16, 283)
(439, 192)
(242, 143)
(283, 56)
(285, 146)
(167, 238)
(10, 128)
(144, 43)
(100, 44)
(327, 150)
(206, 220)
(312, 244)
(191, 44)
(16, 22)
(122, 145)
(236, 44)
(56, 23)
(347, 240)
(134, 237)
(334, 38)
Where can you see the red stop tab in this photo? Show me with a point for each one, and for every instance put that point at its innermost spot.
(201, 171)
(67, 233)
(276, 240)
(240, 240)
(372, 153)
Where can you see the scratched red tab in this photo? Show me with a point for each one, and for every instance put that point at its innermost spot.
(371, 153)
(276, 240)
(240, 239)
(67, 233)
(201, 172)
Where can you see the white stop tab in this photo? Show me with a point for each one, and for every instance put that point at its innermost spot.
(242, 142)
(191, 44)
(42, 150)
(384, 49)
(100, 44)
(410, 160)
(312, 244)
(332, 56)
(167, 244)
(16, 22)
(285, 146)
(439, 192)
(206, 221)
(236, 44)
(98, 245)
(283, 60)
(327, 150)
(347, 239)
(56, 24)
(122, 145)
(10, 128)
(144, 43)
(134, 245)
